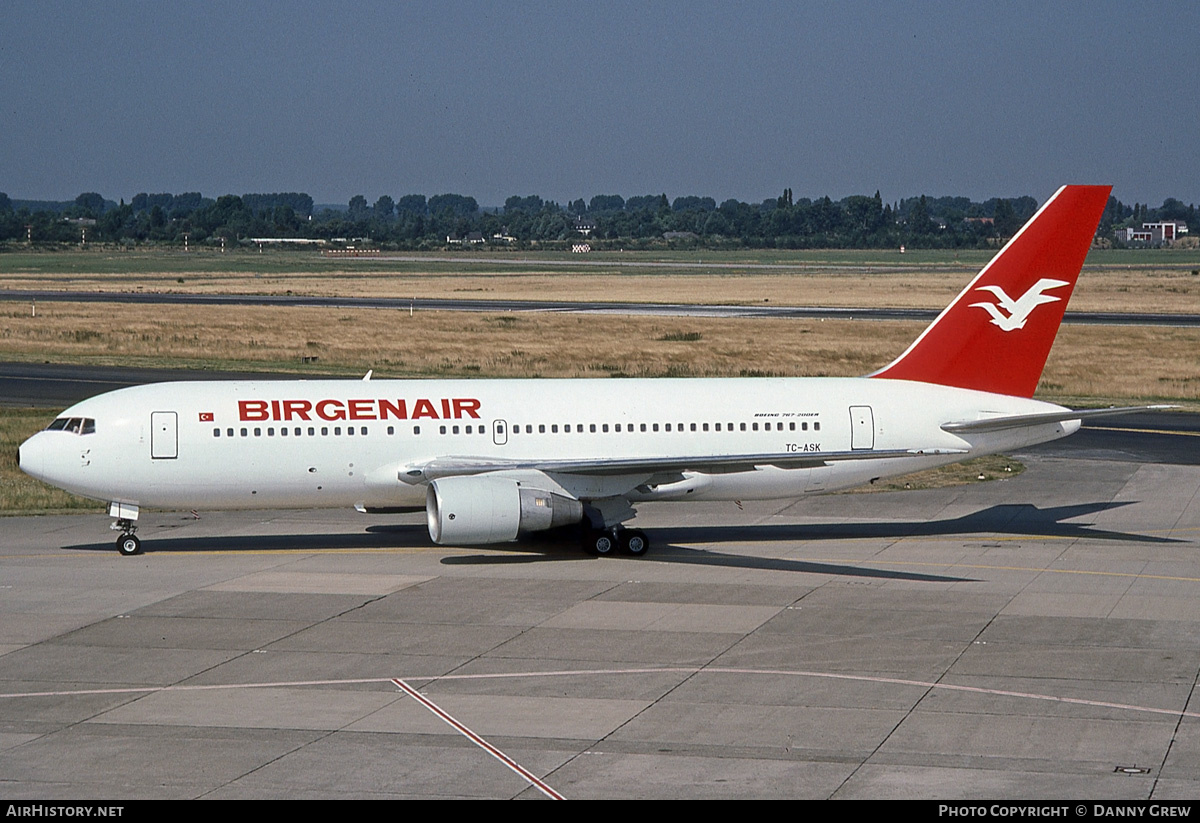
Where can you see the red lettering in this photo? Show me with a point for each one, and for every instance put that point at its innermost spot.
(381, 409)
(424, 408)
(466, 407)
(252, 409)
(397, 410)
(323, 410)
(361, 409)
(297, 408)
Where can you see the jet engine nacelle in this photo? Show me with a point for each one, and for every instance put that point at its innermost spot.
(481, 509)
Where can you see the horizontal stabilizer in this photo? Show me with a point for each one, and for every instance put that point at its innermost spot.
(1020, 421)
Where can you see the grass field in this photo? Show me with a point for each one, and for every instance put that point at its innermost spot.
(1146, 281)
(1094, 363)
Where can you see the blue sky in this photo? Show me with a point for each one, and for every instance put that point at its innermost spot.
(569, 100)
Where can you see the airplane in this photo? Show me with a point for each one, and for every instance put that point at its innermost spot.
(489, 460)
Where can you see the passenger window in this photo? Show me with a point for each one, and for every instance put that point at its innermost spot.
(244, 432)
(454, 429)
(229, 432)
(416, 429)
(257, 432)
(441, 429)
(216, 432)
(816, 427)
(391, 429)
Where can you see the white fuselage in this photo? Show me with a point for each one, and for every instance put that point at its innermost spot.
(334, 443)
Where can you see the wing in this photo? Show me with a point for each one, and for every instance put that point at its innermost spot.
(645, 467)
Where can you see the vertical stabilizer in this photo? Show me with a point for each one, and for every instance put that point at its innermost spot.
(996, 334)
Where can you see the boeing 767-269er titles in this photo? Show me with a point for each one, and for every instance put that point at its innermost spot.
(490, 459)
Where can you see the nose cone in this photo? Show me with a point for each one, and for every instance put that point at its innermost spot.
(31, 456)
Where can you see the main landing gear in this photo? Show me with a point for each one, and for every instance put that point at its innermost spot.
(607, 542)
(128, 543)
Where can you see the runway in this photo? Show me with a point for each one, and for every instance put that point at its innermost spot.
(1035, 637)
(1190, 320)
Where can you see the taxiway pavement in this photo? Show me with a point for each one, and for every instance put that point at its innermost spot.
(1037, 637)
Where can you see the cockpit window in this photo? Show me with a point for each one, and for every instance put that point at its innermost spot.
(75, 425)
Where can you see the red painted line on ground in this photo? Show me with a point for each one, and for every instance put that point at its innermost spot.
(533, 779)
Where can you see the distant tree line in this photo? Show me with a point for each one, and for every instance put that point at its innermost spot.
(413, 221)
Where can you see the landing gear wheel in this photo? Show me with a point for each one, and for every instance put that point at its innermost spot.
(129, 545)
(600, 543)
(634, 542)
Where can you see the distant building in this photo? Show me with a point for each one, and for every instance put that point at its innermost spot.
(584, 226)
(1165, 232)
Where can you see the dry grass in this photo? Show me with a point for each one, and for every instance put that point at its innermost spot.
(1108, 363)
(1108, 287)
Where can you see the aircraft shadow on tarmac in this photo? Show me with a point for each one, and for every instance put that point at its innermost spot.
(1008, 520)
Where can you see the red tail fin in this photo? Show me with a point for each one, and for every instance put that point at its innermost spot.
(996, 334)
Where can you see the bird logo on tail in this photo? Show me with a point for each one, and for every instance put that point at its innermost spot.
(1010, 314)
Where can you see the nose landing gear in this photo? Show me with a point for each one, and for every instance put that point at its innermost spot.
(129, 544)
(127, 515)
